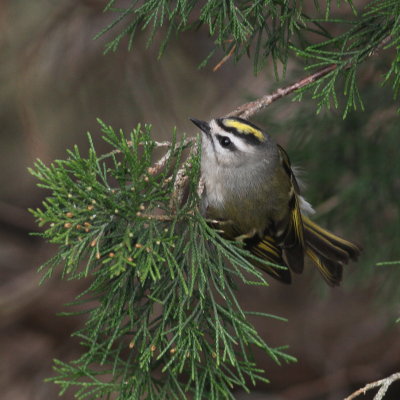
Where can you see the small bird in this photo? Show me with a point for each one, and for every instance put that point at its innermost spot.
(252, 191)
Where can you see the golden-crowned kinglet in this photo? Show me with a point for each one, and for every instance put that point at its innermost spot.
(251, 188)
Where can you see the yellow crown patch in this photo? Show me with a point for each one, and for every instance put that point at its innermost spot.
(244, 128)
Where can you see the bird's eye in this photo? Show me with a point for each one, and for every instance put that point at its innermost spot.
(225, 141)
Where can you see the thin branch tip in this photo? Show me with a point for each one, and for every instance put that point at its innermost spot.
(249, 109)
(382, 384)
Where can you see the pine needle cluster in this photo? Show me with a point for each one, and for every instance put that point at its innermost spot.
(163, 320)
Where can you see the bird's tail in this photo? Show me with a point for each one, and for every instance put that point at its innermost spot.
(328, 251)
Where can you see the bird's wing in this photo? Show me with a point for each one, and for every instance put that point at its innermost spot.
(292, 237)
(267, 250)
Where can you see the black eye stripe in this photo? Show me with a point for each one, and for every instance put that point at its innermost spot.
(226, 142)
(251, 139)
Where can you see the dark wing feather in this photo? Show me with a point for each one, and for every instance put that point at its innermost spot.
(329, 244)
(288, 168)
(331, 270)
(293, 236)
(267, 249)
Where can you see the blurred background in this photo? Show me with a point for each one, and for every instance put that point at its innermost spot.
(55, 82)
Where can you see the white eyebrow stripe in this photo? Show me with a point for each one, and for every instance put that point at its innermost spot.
(239, 143)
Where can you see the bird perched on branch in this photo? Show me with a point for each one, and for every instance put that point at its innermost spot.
(251, 188)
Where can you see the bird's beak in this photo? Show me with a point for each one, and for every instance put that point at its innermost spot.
(202, 125)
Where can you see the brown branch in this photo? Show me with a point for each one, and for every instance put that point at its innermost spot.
(160, 164)
(157, 217)
(248, 109)
(181, 179)
(383, 384)
(225, 59)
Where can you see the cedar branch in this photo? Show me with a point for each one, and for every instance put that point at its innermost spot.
(248, 109)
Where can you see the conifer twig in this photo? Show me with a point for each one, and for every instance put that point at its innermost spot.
(224, 59)
(165, 143)
(160, 164)
(181, 179)
(248, 109)
(383, 384)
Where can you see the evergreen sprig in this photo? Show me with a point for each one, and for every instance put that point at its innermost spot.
(377, 27)
(163, 318)
(277, 30)
(262, 27)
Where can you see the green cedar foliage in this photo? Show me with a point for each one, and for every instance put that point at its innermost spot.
(163, 318)
(309, 32)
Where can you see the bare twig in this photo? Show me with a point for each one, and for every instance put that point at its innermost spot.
(181, 180)
(157, 217)
(200, 187)
(225, 59)
(383, 384)
(381, 45)
(248, 109)
(160, 164)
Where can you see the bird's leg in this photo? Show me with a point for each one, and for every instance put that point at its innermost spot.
(220, 223)
(245, 236)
